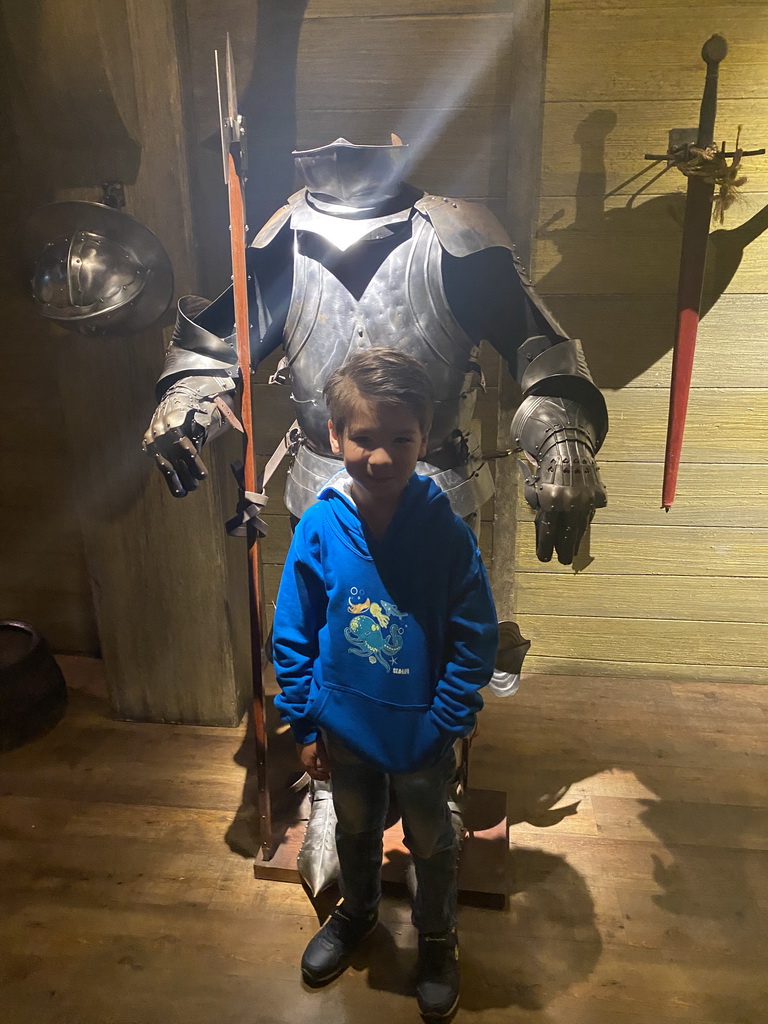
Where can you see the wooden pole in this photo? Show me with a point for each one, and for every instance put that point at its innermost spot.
(242, 332)
(233, 130)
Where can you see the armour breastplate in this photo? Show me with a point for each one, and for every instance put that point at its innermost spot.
(384, 291)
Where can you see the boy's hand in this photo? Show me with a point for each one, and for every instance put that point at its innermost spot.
(314, 760)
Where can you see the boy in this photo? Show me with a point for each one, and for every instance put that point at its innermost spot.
(385, 631)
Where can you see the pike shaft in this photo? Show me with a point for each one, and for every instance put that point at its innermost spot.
(242, 331)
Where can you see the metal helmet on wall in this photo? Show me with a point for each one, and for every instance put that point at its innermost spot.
(97, 270)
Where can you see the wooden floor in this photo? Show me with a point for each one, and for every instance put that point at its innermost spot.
(638, 871)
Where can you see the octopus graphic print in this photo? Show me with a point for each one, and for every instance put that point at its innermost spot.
(372, 632)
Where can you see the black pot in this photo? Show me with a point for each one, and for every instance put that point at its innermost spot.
(33, 694)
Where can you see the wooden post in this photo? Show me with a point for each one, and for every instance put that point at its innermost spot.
(170, 602)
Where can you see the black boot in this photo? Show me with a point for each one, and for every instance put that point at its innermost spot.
(437, 982)
(326, 954)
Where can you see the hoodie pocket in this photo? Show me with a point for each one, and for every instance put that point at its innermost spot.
(394, 738)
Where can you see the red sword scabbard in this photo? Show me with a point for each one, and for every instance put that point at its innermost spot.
(693, 255)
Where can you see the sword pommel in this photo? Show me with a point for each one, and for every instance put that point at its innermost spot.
(714, 50)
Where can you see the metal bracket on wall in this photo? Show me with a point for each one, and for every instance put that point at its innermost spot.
(113, 194)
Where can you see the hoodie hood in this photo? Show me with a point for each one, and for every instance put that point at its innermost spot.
(421, 497)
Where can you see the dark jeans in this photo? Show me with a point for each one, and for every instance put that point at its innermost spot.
(361, 799)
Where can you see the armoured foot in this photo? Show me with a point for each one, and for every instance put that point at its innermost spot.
(327, 954)
(437, 980)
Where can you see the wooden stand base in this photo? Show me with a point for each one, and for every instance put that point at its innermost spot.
(482, 863)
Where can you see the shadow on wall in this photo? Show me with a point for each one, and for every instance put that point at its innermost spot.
(624, 244)
(268, 102)
(271, 30)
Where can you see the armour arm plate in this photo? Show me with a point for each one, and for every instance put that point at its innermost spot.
(488, 296)
(204, 342)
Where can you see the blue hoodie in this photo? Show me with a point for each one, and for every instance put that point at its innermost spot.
(386, 643)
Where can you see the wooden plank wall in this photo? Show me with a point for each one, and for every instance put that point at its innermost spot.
(43, 574)
(95, 97)
(678, 595)
(440, 73)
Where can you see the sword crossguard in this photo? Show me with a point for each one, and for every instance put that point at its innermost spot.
(682, 153)
(714, 50)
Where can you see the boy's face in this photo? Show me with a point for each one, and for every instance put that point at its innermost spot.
(380, 445)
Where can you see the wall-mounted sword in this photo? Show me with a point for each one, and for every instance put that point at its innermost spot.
(693, 255)
(234, 154)
(705, 167)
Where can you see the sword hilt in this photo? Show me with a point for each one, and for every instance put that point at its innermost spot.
(712, 52)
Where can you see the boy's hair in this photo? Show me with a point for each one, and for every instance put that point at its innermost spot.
(380, 375)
